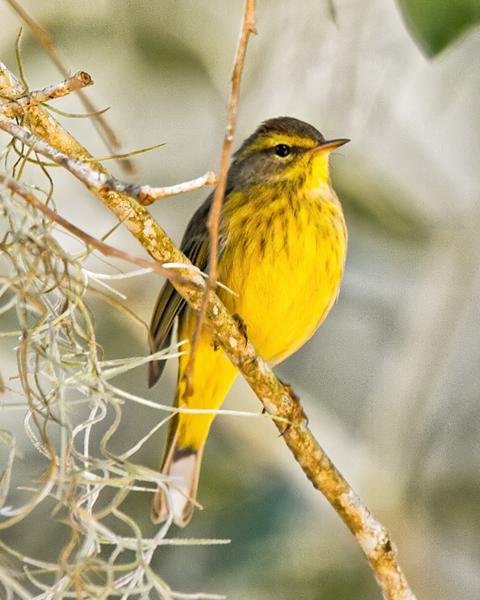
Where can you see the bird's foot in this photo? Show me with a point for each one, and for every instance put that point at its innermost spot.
(241, 326)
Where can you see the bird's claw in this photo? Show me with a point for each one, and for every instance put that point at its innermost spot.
(241, 326)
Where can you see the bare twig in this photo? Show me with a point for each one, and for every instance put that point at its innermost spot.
(248, 27)
(277, 398)
(106, 132)
(96, 179)
(148, 195)
(19, 106)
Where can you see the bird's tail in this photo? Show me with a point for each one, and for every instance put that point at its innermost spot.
(212, 376)
(178, 497)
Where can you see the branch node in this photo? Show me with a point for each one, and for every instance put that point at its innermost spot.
(84, 78)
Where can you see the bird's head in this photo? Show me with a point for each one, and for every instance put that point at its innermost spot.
(283, 150)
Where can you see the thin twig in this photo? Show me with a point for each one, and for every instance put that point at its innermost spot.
(277, 398)
(148, 195)
(19, 106)
(248, 27)
(93, 178)
(106, 132)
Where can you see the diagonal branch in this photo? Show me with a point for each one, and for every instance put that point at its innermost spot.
(278, 399)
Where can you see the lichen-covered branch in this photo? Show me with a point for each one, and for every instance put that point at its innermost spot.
(10, 87)
(47, 137)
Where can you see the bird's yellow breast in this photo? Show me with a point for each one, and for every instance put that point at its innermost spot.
(284, 257)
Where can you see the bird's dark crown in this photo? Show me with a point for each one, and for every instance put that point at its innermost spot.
(287, 126)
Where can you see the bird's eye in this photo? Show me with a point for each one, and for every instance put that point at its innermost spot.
(282, 150)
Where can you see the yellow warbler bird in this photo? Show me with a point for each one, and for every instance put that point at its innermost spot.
(282, 249)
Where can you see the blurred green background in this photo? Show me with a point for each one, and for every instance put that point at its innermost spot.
(390, 382)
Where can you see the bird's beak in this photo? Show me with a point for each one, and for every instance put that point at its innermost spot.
(330, 145)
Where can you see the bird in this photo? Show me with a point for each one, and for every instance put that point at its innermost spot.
(282, 249)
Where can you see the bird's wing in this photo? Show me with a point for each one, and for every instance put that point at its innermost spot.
(195, 246)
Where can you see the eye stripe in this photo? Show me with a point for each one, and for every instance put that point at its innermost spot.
(265, 142)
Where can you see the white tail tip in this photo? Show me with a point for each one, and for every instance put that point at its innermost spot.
(179, 501)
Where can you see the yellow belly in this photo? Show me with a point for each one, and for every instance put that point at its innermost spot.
(286, 262)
